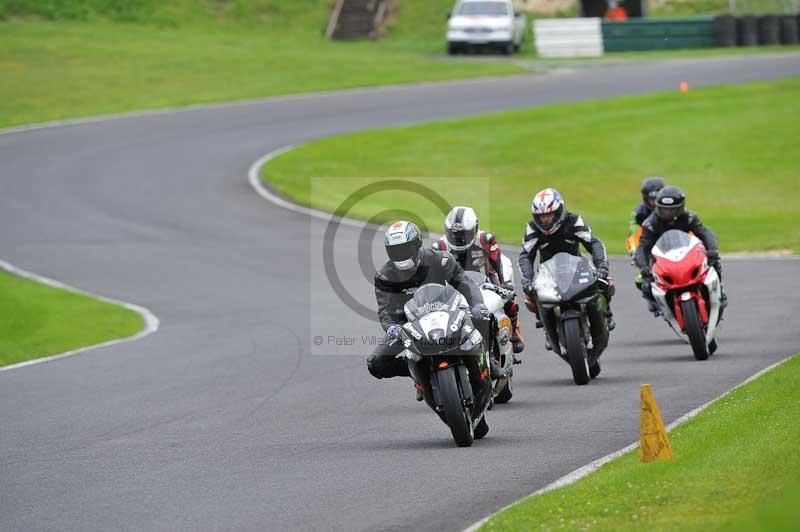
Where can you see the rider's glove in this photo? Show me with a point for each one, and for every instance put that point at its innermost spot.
(480, 312)
(527, 287)
(713, 260)
(508, 286)
(602, 272)
(392, 333)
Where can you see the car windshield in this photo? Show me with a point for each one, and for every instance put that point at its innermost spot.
(483, 8)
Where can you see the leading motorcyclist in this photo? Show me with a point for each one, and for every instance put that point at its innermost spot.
(671, 213)
(479, 251)
(552, 229)
(409, 267)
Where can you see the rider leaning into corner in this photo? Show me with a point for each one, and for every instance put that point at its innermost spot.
(409, 267)
(671, 213)
(552, 229)
(477, 250)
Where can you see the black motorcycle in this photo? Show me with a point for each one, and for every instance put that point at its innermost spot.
(573, 309)
(447, 357)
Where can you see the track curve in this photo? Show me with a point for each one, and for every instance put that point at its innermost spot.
(222, 420)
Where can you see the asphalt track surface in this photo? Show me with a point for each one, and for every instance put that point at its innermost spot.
(226, 419)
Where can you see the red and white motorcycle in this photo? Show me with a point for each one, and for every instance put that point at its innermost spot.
(687, 290)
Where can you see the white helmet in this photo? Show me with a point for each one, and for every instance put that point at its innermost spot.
(461, 228)
(548, 202)
(403, 244)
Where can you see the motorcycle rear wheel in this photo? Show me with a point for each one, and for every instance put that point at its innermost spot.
(576, 351)
(457, 415)
(694, 329)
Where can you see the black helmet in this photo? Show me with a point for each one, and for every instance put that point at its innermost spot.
(670, 203)
(651, 186)
(403, 243)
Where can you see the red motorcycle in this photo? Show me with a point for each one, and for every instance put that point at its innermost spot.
(687, 290)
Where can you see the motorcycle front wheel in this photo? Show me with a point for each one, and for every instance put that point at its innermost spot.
(457, 415)
(576, 351)
(694, 329)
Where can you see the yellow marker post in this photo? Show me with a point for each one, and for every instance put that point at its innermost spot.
(653, 440)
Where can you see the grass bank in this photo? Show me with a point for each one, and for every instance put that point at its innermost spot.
(64, 59)
(71, 59)
(736, 467)
(37, 320)
(732, 149)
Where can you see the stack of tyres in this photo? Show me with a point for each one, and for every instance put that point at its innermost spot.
(724, 30)
(747, 27)
(769, 33)
(788, 28)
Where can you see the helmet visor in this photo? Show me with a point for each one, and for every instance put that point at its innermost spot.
(461, 237)
(668, 213)
(546, 219)
(403, 252)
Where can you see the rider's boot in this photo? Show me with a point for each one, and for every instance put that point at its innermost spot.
(481, 429)
(496, 371)
(517, 341)
(610, 320)
(420, 392)
(594, 369)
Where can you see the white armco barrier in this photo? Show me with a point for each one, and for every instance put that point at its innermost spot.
(568, 37)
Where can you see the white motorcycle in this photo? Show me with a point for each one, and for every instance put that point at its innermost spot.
(495, 298)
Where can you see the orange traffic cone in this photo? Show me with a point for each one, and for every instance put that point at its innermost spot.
(684, 87)
(653, 440)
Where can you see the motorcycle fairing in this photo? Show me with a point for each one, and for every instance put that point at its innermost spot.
(564, 277)
(681, 267)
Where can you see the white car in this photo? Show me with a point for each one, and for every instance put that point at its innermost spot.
(485, 24)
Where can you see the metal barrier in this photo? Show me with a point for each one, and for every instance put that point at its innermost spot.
(568, 37)
(658, 34)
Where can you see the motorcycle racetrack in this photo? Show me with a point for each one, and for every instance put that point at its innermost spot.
(230, 417)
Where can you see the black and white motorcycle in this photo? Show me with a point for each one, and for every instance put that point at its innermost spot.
(573, 311)
(447, 357)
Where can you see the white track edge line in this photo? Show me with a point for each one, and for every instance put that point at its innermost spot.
(254, 177)
(590, 468)
(151, 321)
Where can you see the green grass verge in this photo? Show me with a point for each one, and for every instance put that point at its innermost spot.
(38, 320)
(179, 53)
(736, 467)
(732, 149)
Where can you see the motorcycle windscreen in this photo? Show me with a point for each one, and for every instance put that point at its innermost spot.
(673, 239)
(432, 297)
(573, 274)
